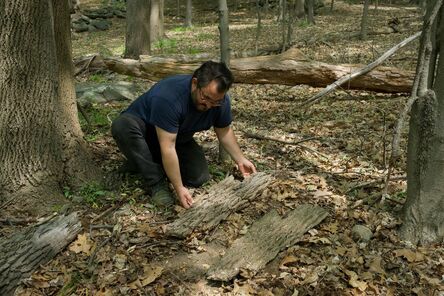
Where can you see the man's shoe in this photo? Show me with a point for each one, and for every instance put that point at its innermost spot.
(161, 194)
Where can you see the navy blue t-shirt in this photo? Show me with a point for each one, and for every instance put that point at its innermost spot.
(168, 105)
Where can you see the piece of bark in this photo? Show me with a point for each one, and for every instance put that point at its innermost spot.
(264, 240)
(288, 68)
(23, 252)
(221, 200)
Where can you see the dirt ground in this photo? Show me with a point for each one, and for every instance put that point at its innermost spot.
(341, 169)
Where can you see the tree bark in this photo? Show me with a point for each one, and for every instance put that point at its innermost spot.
(189, 14)
(39, 120)
(423, 218)
(264, 240)
(137, 40)
(23, 252)
(155, 24)
(224, 32)
(364, 20)
(289, 68)
(222, 199)
(310, 12)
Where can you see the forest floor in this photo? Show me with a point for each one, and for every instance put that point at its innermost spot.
(341, 169)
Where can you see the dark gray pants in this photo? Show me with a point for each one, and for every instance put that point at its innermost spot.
(131, 135)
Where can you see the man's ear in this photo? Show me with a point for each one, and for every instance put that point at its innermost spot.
(193, 83)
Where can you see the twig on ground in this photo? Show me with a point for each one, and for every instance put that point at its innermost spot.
(91, 227)
(368, 68)
(12, 221)
(298, 143)
(84, 68)
(261, 137)
(374, 182)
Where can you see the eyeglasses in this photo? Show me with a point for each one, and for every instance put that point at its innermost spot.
(206, 98)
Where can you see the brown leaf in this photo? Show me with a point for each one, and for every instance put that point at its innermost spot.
(82, 244)
(375, 265)
(151, 273)
(354, 282)
(287, 260)
(410, 255)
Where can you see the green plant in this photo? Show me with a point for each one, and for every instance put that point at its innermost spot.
(193, 50)
(98, 78)
(166, 45)
(93, 194)
(303, 23)
(67, 192)
(181, 29)
(217, 172)
(204, 37)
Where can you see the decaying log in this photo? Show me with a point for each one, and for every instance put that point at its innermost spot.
(264, 240)
(221, 200)
(23, 252)
(288, 68)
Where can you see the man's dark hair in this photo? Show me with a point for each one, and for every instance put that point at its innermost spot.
(210, 71)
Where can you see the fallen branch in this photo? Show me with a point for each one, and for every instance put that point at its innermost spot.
(261, 137)
(24, 251)
(365, 70)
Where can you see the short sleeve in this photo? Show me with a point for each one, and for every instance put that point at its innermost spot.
(164, 115)
(224, 117)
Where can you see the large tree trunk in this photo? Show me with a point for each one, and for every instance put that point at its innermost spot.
(23, 252)
(39, 119)
(424, 208)
(289, 68)
(137, 40)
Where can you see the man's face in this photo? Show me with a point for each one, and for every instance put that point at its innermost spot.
(206, 97)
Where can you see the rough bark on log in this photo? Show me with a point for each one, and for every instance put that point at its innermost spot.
(288, 68)
(23, 252)
(223, 198)
(264, 240)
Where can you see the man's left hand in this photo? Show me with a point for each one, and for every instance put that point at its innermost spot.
(246, 167)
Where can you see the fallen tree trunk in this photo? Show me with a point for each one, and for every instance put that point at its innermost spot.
(23, 252)
(222, 199)
(264, 240)
(288, 68)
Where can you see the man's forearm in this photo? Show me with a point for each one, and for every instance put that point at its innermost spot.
(229, 142)
(171, 165)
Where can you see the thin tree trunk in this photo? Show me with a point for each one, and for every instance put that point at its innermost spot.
(189, 13)
(364, 20)
(224, 32)
(310, 14)
(331, 5)
(283, 24)
(259, 26)
(137, 40)
(155, 25)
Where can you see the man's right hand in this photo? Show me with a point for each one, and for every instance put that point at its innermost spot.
(185, 198)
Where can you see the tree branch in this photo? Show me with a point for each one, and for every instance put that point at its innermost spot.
(359, 72)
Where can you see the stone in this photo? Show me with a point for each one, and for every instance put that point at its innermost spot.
(361, 233)
(101, 24)
(80, 27)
